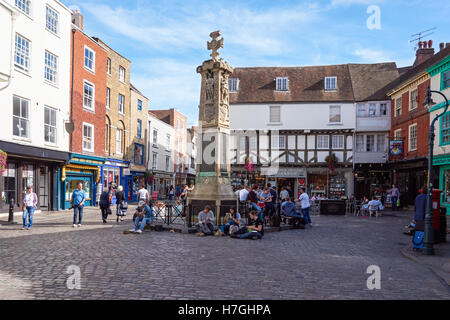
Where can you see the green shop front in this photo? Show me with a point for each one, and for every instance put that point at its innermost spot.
(443, 162)
(84, 169)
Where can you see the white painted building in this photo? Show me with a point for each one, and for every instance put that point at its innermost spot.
(161, 151)
(192, 139)
(35, 98)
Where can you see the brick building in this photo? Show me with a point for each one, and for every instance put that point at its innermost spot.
(117, 138)
(88, 100)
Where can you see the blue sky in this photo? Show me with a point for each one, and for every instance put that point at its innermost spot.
(166, 40)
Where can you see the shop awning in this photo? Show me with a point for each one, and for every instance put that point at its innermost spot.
(81, 167)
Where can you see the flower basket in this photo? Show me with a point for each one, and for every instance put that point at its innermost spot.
(3, 157)
(331, 161)
(249, 165)
(149, 177)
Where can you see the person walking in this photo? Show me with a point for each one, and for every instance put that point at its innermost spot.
(304, 200)
(105, 204)
(77, 201)
(120, 199)
(29, 206)
(143, 194)
(395, 195)
(171, 192)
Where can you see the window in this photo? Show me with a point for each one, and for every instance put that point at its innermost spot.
(88, 95)
(383, 109)
(370, 143)
(121, 103)
(282, 84)
(52, 20)
(242, 143)
(139, 105)
(122, 74)
(398, 107)
(119, 134)
(21, 117)
(372, 110)
(323, 142)
(22, 53)
(282, 142)
(50, 125)
(108, 97)
(88, 137)
(275, 114)
(412, 142)
(155, 137)
(167, 163)
(89, 59)
(154, 160)
(108, 66)
(23, 5)
(51, 64)
(445, 129)
(252, 143)
(330, 83)
(233, 84)
(337, 142)
(139, 128)
(445, 80)
(335, 114)
(138, 154)
(168, 142)
(360, 143)
(361, 111)
(398, 134)
(381, 143)
(413, 103)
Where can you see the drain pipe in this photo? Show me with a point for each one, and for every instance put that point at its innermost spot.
(11, 60)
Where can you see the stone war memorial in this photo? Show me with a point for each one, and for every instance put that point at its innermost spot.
(212, 185)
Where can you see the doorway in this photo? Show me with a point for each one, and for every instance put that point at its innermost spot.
(44, 188)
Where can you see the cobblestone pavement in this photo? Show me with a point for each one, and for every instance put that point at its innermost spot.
(327, 261)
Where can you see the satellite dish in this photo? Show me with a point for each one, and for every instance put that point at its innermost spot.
(70, 127)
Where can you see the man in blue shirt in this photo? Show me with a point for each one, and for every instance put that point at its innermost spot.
(145, 213)
(78, 199)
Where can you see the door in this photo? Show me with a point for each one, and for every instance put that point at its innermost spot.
(43, 188)
(71, 184)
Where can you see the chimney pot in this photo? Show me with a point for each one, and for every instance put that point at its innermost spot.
(420, 44)
(447, 45)
(441, 46)
(430, 43)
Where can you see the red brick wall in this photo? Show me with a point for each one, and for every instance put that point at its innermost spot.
(79, 114)
(420, 116)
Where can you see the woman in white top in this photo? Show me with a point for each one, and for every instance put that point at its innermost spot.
(29, 205)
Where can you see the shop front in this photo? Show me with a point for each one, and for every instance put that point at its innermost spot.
(161, 183)
(84, 169)
(133, 181)
(372, 180)
(336, 184)
(442, 163)
(31, 166)
(113, 175)
(291, 178)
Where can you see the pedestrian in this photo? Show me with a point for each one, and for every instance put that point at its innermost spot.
(171, 192)
(120, 200)
(29, 206)
(184, 193)
(78, 199)
(304, 200)
(420, 204)
(266, 198)
(243, 194)
(144, 214)
(395, 195)
(255, 229)
(205, 224)
(143, 194)
(284, 194)
(105, 204)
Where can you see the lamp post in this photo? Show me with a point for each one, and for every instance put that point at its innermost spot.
(429, 239)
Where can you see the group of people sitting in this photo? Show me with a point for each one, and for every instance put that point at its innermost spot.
(234, 225)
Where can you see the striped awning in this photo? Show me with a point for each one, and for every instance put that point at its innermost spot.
(82, 167)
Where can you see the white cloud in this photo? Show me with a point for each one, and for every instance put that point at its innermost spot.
(372, 55)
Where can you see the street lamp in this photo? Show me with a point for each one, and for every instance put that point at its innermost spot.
(429, 239)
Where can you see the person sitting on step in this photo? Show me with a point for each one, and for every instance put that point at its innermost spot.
(205, 224)
(255, 229)
(233, 218)
(144, 214)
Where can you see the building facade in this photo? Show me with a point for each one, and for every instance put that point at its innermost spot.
(138, 143)
(88, 111)
(440, 81)
(117, 118)
(192, 139)
(295, 126)
(35, 96)
(161, 153)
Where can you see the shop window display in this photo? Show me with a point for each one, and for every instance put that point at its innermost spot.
(9, 187)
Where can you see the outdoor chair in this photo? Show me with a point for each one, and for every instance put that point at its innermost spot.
(374, 210)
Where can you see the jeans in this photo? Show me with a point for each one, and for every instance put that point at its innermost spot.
(170, 196)
(305, 212)
(256, 207)
(250, 235)
(227, 226)
(206, 228)
(28, 212)
(394, 203)
(77, 211)
(143, 221)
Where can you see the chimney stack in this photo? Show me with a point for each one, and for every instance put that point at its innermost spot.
(424, 52)
(77, 19)
(441, 46)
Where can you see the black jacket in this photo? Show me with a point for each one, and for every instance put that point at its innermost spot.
(120, 197)
(104, 200)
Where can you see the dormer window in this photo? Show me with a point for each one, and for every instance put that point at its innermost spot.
(282, 84)
(330, 83)
(233, 84)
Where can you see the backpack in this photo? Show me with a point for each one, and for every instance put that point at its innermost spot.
(417, 239)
